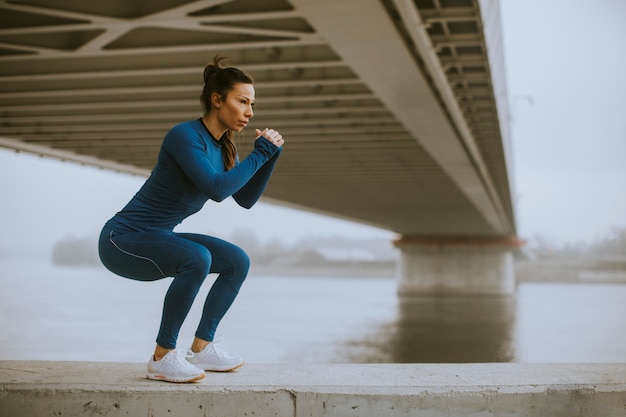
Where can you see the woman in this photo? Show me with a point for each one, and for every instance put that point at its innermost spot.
(198, 161)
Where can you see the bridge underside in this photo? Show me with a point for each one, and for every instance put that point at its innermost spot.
(371, 135)
(394, 111)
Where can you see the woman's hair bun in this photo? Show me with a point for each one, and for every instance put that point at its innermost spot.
(209, 70)
(214, 67)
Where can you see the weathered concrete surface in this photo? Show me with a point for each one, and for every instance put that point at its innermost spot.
(64, 389)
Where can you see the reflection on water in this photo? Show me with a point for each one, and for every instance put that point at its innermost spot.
(453, 329)
(442, 329)
(541, 323)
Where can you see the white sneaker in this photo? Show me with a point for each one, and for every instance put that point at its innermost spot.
(173, 367)
(214, 357)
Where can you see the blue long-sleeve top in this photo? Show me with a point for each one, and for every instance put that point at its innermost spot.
(189, 171)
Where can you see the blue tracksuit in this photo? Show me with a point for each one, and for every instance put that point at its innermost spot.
(139, 241)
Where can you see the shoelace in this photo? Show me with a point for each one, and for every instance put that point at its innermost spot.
(221, 350)
(181, 357)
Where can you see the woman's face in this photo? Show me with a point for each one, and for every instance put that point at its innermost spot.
(235, 110)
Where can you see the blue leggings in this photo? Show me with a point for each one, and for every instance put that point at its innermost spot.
(189, 258)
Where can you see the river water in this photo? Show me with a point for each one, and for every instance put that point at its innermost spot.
(89, 314)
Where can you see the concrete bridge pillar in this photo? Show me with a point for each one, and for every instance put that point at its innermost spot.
(465, 265)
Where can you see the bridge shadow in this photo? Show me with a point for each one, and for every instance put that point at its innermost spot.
(442, 329)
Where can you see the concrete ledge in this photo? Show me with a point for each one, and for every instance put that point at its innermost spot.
(67, 389)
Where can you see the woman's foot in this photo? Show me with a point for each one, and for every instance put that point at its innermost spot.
(173, 367)
(215, 357)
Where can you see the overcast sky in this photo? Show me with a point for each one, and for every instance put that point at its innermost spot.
(569, 143)
(565, 61)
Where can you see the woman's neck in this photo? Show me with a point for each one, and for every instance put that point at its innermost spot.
(213, 126)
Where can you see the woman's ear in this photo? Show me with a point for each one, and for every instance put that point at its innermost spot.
(216, 100)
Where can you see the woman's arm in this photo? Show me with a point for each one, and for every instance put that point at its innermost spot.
(250, 193)
(188, 149)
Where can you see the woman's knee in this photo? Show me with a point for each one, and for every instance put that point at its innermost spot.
(200, 260)
(241, 259)
(232, 261)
